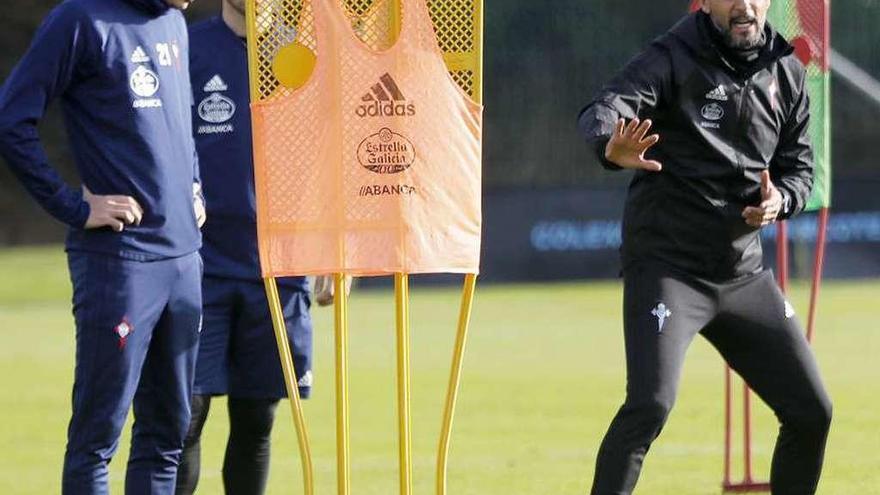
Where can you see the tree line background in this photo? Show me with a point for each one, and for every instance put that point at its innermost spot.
(543, 62)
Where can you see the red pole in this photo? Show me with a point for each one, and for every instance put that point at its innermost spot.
(782, 275)
(818, 265)
(747, 434)
(782, 255)
(782, 267)
(819, 262)
(748, 484)
(728, 427)
(826, 39)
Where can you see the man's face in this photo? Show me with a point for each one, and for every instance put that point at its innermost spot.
(740, 21)
(236, 5)
(179, 4)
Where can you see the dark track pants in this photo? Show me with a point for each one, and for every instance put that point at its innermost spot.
(238, 356)
(755, 330)
(137, 329)
(248, 450)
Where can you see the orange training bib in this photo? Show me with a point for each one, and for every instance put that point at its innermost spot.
(373, 165)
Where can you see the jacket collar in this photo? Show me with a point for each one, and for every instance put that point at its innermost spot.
(689, 32)
(154, 7)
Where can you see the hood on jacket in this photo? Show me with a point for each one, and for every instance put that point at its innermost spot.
(690, 32)
(154, 7)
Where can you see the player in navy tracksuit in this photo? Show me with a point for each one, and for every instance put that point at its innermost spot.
(238, 355)
(121, 71)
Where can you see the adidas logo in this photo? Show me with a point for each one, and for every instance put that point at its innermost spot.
(139, 56)
(306, 380)
(215, 84)
(385, 99)
(789, 310)
(717, 94)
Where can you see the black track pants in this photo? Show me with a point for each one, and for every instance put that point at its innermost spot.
(755, 330)
(246, 465)
(191, 460)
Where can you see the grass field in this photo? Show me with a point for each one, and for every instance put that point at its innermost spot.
(543, 376)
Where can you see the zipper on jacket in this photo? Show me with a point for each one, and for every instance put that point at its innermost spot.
(741, 124)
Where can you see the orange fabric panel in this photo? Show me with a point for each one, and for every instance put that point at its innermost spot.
(374, 165)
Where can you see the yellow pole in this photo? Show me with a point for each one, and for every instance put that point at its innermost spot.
(474, 61)
(401, 293)
(464, 319)
(253, 57)
(478, 51)
(290, 382)
(394, 12)
(343, 468)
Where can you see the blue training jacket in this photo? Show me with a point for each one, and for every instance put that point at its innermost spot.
(222, 125)
(121, 71)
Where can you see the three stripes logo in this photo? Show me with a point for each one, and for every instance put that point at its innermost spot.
(717, 94)
(215, 84)
(139, 56)
(385, 99)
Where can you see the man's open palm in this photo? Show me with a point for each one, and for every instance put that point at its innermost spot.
(628, 145)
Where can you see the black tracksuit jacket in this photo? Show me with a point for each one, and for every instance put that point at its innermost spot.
(719, 129)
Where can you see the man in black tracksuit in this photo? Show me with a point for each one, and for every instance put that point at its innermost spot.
(730, 153)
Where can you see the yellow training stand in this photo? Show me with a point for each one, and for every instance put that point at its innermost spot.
(276, 31)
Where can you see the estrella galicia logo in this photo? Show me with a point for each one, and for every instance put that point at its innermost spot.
(712, 111)
(144, 82)
(386, 152)
(216, 109)
(385, 99)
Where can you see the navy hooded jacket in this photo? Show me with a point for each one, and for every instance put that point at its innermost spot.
(121, 71)
(222, 124)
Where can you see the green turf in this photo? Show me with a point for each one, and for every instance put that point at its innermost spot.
(543, 376)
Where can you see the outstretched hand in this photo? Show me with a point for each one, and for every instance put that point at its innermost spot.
(628, 145)
(771, 204)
